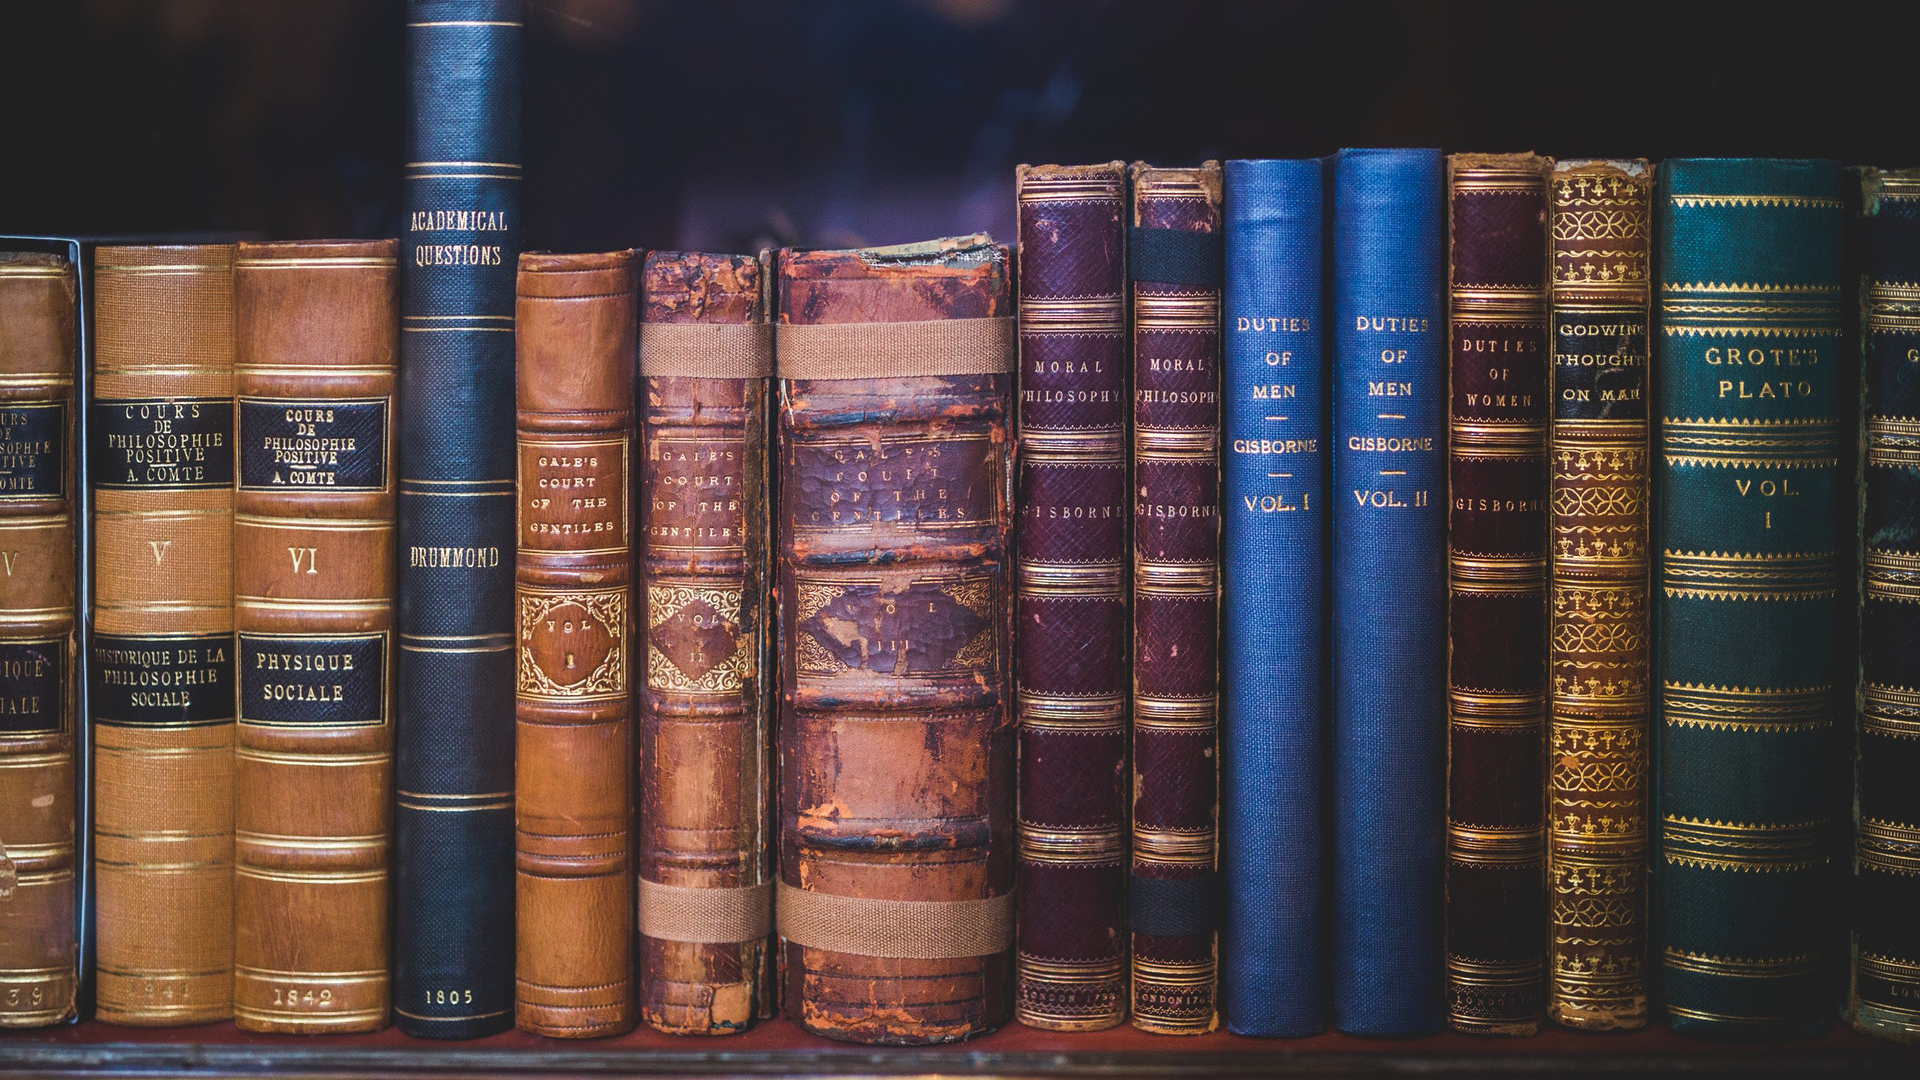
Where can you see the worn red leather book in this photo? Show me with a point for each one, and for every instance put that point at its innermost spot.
(1496, 597)
(1175, 258)
(896, 740)
(573, 749)
(706, 717)
(1074, 631)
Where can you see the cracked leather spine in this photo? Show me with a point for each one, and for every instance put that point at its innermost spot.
(313, 546)
(38, 946)
(706, 714)
(161, 465)
(1073, 622)
(895, 591)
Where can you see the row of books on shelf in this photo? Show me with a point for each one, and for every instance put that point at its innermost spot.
(1296, 554)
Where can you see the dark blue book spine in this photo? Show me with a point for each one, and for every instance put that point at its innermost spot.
(1274, 617)
(453, 819)
(1388, 654)
(1746, 351)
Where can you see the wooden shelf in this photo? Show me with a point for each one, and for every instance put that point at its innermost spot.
(777, 1048)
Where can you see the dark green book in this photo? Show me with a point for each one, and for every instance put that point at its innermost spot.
(1746, 350)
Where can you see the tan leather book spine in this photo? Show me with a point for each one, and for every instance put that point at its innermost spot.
(161, 463)
(313, 614)
(576, 319)
(37, 948)
(705, 873)
(896, 387)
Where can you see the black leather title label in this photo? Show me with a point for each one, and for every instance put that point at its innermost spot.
(1600, 367)
(32, 673)
(162, 680)
(33, 458)
(161, 443)
(331, 680)
(327, 445)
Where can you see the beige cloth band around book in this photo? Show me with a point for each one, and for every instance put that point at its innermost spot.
(889, 350)
(899, 929)
(705, 916)
(706, 350)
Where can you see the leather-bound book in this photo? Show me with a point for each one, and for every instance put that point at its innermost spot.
(1071, 669)
(1274, 596)
(1886, 955)
(573, 751)
(1496, 937)
(454, 659)
(896, 598)
(1388, 645)
(313, 617)
(706, 695)
(1600, 640)
(38, 961)
(1174, 259)
(161, 464)
(1745, 352)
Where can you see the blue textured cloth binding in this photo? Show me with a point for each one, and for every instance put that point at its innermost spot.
(1389, 587)
(1272, 665)
(453, 936)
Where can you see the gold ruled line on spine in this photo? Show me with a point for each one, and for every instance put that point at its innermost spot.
(61, 270)
(36, 761)
(363, 842)
(162, 751)
(258, 521)
(47, 877)
(1697, 963)
(36, 381)
(449, 1019)
(35, 521)
(468, 22)
(407, 804)
(150, 866)
(322, 761)
(337, 877)
(446, 164)
(457, 329)
(160, 972)
(1085, 972)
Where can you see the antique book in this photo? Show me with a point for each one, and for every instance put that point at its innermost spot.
(313, 618)
(1387, 672)
(39, 965)
(1745, 353)
(161, 464)
(1496, 931)
(1174, 261)
(1274, 596)
(1072, 689)
(575, 326)
(896, 597)
(1886, 954)
(1599, 642)
(453, 767)
(706, 695)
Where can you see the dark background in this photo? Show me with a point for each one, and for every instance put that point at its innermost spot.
(732, 125)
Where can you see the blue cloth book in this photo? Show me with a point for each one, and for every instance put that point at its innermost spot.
(1388, 646)
(1272, 664)
(1747, 340)
(453, 948)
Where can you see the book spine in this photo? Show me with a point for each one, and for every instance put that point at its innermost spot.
(1274, 595)
(1388, 601)
(1174, 260)
(1886, 956)
(1600, 644)
(576, 319)
(453, 824)
(313, 537)
(161, 465)
(706, 707)
(1071, 667)
(1746, 350)
(1497, 591)
(38, 964)
(896, 743)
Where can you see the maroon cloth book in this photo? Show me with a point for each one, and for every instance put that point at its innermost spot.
(1176, 596)
(1496, 606)
(1071, 665)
